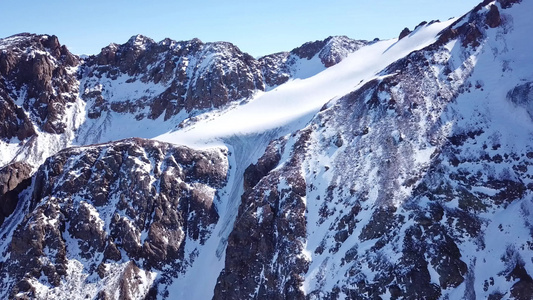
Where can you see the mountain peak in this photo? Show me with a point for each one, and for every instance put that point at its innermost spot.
(22, 41)
(140, 41)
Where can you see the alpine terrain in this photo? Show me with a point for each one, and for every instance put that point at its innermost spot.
(343, 169)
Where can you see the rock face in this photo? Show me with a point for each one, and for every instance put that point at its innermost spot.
(271, 217)
(14, 178)
(170, 77)
(330, 51)
(42, 78)
(507, 3)
(405, 32)
(119, 212)
(38, 97)
(16, 123)
(191, 75)
(522, 96)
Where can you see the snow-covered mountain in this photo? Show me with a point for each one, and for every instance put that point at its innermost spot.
(54, 99)
(344, 169)
(307, 60)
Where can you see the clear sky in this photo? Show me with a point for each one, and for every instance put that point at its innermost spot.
(258, 27)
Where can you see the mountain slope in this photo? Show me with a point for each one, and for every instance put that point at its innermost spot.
(416, 185)
(400, 172)
(121, 215)
(118, 95)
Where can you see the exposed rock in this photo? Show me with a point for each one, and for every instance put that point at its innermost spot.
(264, 165)
(337, 48)
(188, 75)
(276, 68)
(423, 23)
(522, 95)
(135, 201)
(41, 76)
(471, 35)
(12, 175)
(15, 123)
(523, 288)
(192, 75)
(468, 27)
(405, 32)
(38, 93)
(14, 178)
(268, 233)
(493, 17)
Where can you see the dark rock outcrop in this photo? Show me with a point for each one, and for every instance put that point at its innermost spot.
(192, 75)
(134, 203)
(268, 233)
(469, 29)
(405, 32)
(508, 3)
(15, 123)
(36, 68)
(493, 17)
(14, 178)
(522, 95)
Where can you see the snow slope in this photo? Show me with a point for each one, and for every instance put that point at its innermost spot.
(247, 129)
(292, 105)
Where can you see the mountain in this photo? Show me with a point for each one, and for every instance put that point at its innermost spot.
(344, 169)
(54, 99)
(111, 219)
(307, 60)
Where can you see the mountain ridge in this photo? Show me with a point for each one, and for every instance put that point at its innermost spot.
(140, 77)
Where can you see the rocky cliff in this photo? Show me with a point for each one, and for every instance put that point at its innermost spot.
(39, 96)
(118, 214)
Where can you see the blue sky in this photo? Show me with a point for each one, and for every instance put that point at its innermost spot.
(256, 27)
